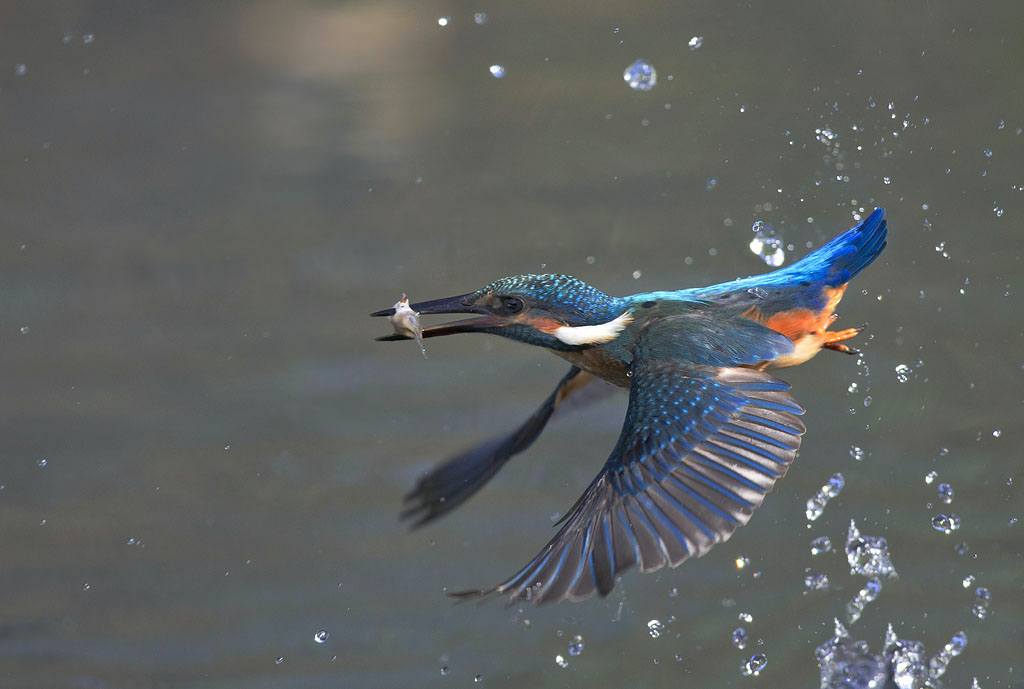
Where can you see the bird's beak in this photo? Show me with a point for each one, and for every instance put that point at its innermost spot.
(459, 304)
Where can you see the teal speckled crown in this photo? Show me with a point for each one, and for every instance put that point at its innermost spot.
(571, 294)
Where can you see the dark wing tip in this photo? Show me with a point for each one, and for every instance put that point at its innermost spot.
(383, 312)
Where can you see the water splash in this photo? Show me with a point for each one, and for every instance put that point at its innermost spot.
(816, 582)
(816, 505)
(655, 628)
(822, 544)
(752, 666)
(937, 665)
(903, 373)
(947, 524)
(766, 245)
(866, 595)
(848, 664)
(868, 555)
(982, 607)
(641, 75)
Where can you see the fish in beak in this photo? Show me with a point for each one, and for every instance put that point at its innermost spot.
(458, 304)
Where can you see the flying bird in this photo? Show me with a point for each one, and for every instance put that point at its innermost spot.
(707, 431)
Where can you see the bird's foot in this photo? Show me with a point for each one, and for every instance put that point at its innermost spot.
(833, 340)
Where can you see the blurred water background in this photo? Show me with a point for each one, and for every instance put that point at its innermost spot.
(204, 451)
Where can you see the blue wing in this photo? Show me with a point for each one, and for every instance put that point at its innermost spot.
(700, 448)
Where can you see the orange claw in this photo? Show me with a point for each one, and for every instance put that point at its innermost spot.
(831, 340)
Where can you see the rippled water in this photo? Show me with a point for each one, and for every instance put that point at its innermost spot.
(205, 451)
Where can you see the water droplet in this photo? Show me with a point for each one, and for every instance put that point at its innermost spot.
(88, 38)
(478, 679)
(24, 330)
(696, 42)
(673, 592)
(739, 638)
(321, 636)
(40, 462)
(576, 645)
(637, 274)
(766, 245)
(561, 662)
(480, 18)
(86, 586)
(867, 401)
(968, 581)
(852, 388)
(20, 69)
(655, 628)
(902, 373)
(816, 582)
(816, 504)
(753, 666)
(641, 76)
(443, 21)
(745, 617)
(886, 180)
(710, 184)
(982, 603)
(742, 561)
(987, 152)
(947, 524)
(278, 660)
(931, 476)
(822, 544)
(497, 71)
(961, 548)
(996, 433)
(946, 492)
(868, 555)
(444, 670)
(758, 292)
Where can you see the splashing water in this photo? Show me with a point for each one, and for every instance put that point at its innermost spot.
(868, 555)
(655, 628)
(937, 665)
(766, 245)
(822, 544)
(947, 524)
(752, 666)
(903, 373)
(866, 595)
(816, 505)
(641, 75)
(982, 603)
(816, 582)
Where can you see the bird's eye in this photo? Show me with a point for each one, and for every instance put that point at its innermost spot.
(513, 305)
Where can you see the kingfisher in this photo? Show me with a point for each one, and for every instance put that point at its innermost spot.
(707, 433)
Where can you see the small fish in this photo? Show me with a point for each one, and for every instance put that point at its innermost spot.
(406, 322)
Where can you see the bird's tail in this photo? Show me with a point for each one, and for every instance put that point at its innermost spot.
(841, 259)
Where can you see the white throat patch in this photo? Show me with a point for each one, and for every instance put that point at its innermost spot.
(593, 334)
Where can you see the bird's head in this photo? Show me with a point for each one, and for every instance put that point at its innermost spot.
(553, 311)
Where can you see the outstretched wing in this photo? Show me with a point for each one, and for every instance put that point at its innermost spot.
(701, 447)
(451, 483)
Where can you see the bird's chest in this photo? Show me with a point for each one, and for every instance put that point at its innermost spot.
(598, 362)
